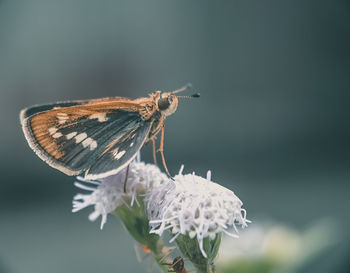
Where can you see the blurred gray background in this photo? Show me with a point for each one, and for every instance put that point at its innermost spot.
(272, 123)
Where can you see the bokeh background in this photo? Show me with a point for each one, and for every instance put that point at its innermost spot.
(272, 123)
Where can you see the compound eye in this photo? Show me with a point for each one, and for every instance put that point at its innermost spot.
(163, 103)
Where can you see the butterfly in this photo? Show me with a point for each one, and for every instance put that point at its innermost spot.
(99, 137)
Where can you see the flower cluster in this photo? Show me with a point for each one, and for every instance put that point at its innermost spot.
(194, 209)
(109, 193)
(195, 206)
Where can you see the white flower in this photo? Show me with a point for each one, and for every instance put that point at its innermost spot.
(108, 193)
(282, 246)
(195, 206)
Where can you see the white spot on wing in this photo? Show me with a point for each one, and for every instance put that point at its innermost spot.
(79, 138)
(87, 142)
(62, 118)
(71, 135)
(131, 144)
(57, 135)
(119, 155)
(101, 117)
(52, 130)
(93, 145)
(115, 152)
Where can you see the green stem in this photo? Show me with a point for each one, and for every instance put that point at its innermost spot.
(137, 224)
(190, 249)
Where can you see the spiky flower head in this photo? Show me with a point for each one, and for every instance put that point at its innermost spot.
(108, 193)
(194, 206)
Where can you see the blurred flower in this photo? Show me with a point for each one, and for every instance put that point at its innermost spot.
(194, 206)
(108, 193)
(274, 248)
(278, 242)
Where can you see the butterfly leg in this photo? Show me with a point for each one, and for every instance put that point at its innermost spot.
(169, 264)
(126, 178)
(166, 251)
(154, 151)
(161, 150)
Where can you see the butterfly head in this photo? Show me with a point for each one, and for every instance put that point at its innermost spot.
(168, 101)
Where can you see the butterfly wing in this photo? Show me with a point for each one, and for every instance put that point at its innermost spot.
(97, 137)
(25, 113)
(116, 102)
(121, 150)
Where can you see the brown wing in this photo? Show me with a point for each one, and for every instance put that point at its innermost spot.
(46, 126)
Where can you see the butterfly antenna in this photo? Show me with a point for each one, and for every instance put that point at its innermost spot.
(187, 86)
(196, 95)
